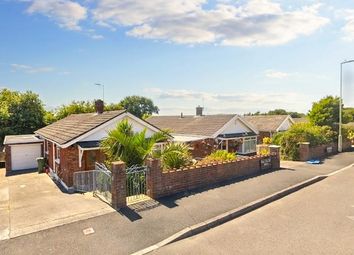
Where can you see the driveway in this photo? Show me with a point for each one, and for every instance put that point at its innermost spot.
(32, 202)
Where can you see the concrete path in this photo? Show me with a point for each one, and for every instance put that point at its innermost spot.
(316, 220)
(127, 231)
(32, 202)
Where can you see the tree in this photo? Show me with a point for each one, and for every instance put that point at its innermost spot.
(325, 112)
(20, 113)
(139, 106)
(278, 112)
(132, 148)
(76, 107)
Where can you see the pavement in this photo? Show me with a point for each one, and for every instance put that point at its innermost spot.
(31, 202)
(316, 220)
(128, 231)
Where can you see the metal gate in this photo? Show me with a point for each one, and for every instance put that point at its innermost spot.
(136, 183)
(98, 181)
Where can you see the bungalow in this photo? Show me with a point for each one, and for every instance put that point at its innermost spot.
(204, 133)
(269, 125)
(72, 144)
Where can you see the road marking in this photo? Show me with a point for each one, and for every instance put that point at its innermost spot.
(88, 231)
(350, 217)
(22, 186)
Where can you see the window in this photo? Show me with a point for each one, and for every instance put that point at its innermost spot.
(248, 146)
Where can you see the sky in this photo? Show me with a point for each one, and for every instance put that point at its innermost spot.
(230, 56)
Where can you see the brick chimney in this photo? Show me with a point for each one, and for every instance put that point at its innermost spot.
(99, 106)
(199, 111)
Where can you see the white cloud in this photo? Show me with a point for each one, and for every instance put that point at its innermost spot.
(66, 13)
(186, 100)
(348, 28)
(255, 22)
(273, 74)
(31, 69)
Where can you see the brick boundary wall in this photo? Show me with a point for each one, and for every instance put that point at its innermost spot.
(306, 152)
(8, 165)
(160, 183)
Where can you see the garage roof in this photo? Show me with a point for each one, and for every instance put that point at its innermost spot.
(21, 139)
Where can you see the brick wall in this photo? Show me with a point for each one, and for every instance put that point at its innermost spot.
(306, 152)
(8, 159)
(161, 183)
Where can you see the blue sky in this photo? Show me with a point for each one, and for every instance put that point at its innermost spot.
(230, 56)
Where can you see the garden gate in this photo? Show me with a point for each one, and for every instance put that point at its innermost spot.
(136, 183)
(98, 181)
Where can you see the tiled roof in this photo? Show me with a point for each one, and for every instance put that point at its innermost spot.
(266, 123)
(206, 125)
(75, 125)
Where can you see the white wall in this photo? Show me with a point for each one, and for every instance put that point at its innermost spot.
(285, 125)
(102, 133)
(236, 127)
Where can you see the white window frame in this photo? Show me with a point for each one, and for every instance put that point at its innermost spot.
(46, 146)
(248, 139)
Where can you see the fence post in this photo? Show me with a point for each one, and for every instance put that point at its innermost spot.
(274, 151)
(153, 177)
(118, 186)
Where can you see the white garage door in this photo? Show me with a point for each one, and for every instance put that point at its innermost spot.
(23, 156)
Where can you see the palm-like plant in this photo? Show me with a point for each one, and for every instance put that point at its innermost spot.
(132, 148)
(174, 155)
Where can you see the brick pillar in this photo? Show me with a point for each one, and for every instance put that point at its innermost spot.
(118, 188)
(274, 151)
(8, 165)
(304, 151)
(153, 177)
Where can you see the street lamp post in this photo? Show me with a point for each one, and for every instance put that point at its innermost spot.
(340, 138)
(99, 84)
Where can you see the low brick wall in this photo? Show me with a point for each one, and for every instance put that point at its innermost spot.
(306, 152)
(161, 183)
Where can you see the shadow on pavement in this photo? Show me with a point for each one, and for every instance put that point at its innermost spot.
(130, 214)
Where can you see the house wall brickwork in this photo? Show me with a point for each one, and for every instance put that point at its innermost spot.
(202, 148)
(160, 183)
(306, 152)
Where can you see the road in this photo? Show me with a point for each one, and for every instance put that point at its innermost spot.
(316, 220)
(126, 232)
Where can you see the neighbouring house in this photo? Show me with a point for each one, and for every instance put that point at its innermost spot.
(205, 133)
(269, 125)
(73, 143)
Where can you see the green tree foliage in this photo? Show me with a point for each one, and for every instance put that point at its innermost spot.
(174, 156)
(348, 115)
(302, 132)
(76, 107)
(20, 113)
(139, 106)
(132, 148)
(278, 112)
(326, 112)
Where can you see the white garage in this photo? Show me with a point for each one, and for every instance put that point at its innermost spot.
(22, 152)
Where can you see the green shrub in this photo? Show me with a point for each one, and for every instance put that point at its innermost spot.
(174, 155)
(267, 140)
(219, 155)
(302, 132)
